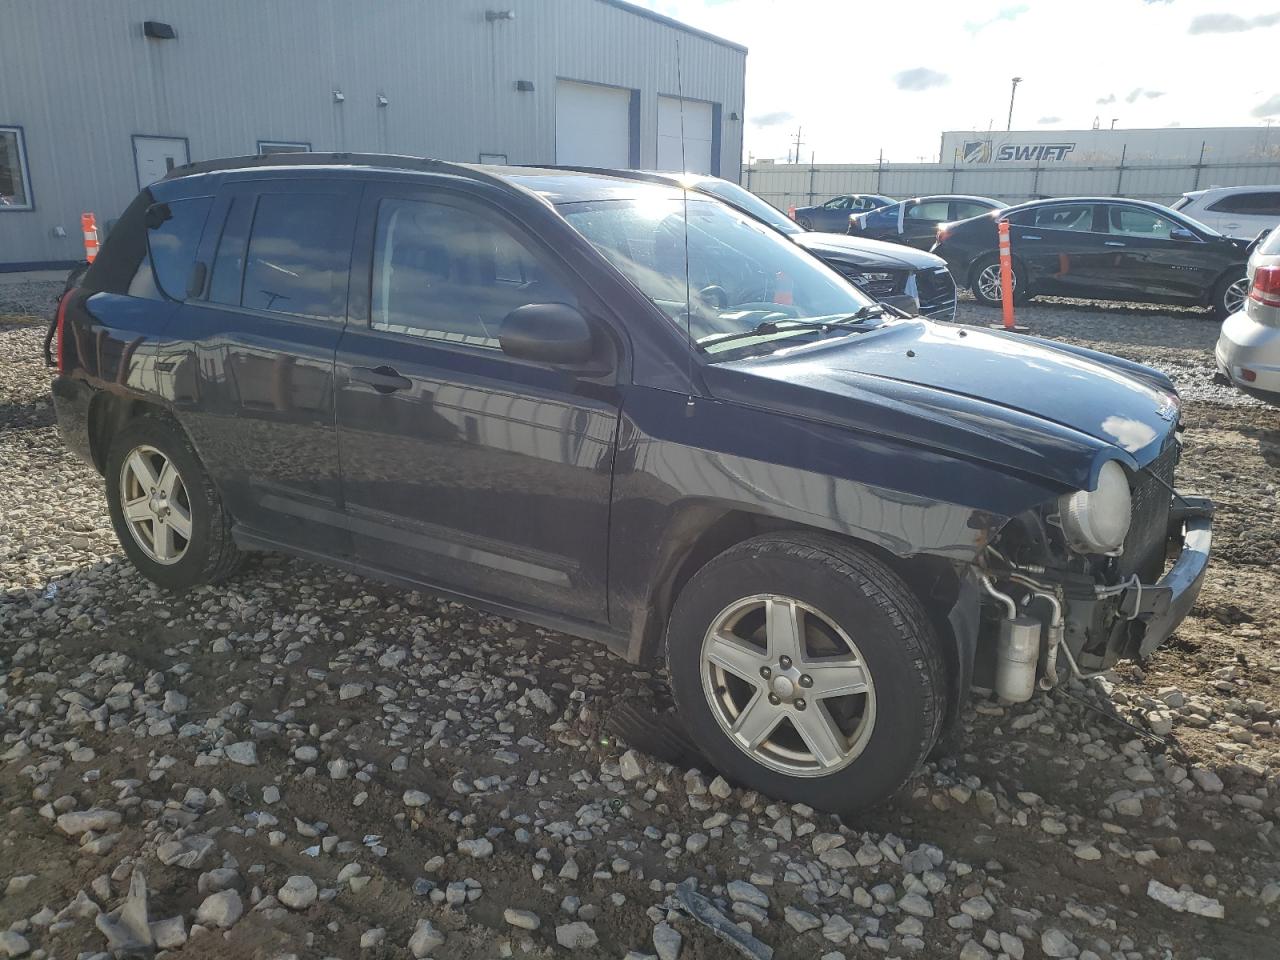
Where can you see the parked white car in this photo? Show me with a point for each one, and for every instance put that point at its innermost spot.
(1235, 211)
(1248, 351)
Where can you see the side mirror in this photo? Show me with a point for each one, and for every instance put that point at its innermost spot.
(1182, 233)
(904, 302)
(546, 332)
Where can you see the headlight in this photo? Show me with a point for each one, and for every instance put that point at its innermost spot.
(1096, 521)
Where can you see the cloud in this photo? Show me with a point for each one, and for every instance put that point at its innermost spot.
(1006, 14)
(1268, 108)
(777, 118)
(1137, 92)
(1231, 23)
(1109, 98)
(920, 78)
(1050, 120)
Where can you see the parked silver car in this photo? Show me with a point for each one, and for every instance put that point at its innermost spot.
(1248, 351)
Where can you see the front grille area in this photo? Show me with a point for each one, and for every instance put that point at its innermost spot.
(1144, 547)
(877, 283)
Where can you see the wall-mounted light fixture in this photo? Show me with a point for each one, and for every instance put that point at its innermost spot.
(158, 31)
(338, 96)
(492, 15)
(524, 86)
(382, 101)
(734, 115)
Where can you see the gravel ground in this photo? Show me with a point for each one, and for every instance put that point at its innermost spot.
(303, 763)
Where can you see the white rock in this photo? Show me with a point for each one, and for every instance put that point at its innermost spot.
(220, 909)
(1185, 901)
(244, 753)
(13, 944)
(576, 936)
(740, 890)
(1055, 943)
(523, 919)
(169, 934)
(349, 691)
(631, 765)
(799, 920)
(1206, 780)
(667, 941)
(916, 905)
(425, 939)
(477, 849)
(298, 893)
(720, 788)
(82, 821)
(372, 937)
(415, 798)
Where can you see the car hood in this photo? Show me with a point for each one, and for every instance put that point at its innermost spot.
(867, 253)
(1044, 410)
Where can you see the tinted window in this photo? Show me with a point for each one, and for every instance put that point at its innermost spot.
(450, 273)
(839, 203)
(964, 209)
(1264, 203)
(228, 260)
(1066, 216)
(173, 234)
(929, 210)
(1271, 243)
(298, 256)
(744, 199)
(1140, 222)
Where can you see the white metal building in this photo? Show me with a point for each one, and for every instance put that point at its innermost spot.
(1165, 144)
(98, 99)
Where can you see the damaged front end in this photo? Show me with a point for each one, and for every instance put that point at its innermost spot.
(1091, 578)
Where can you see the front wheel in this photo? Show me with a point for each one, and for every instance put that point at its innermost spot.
(166, 512)
(1229, 295)
(985, 283)
(806, 669)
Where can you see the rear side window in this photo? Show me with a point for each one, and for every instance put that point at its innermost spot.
(173, 233)
(938, 210)
(298, 256)
(1263, 203)
(964, 209)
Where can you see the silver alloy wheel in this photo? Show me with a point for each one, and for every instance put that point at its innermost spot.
(155, 504)
(989, 282)
(1234, 296)
(787, 685)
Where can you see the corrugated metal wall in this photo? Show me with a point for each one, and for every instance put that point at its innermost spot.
(786, 185)
(81, 79)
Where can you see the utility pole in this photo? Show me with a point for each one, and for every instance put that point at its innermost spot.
(798, 143)
(1113, 122)
(1012, 93)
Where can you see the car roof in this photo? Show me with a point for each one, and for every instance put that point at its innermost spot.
(951, 196)
(1047, 201)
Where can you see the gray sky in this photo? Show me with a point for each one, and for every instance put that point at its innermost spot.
(859, 76)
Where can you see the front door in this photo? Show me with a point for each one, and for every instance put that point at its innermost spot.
(1155, 263)
(461, 466)
(153, 157)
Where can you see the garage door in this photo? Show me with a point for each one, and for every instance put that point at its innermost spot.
(593, 125)
(697, 135)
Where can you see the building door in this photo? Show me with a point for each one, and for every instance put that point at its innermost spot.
(593, 125)
(697, 153)
(156, 156)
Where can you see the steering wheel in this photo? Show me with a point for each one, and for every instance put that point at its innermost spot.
(715, 295)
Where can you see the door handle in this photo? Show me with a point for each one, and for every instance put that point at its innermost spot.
(1027, 236)
(383, 379)
(1113, 243)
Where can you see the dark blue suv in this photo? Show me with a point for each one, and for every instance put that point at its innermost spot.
(635, 415)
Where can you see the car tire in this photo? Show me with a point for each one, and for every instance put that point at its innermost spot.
(979, 282)
(166, 512)
(856, 618)
(1229, 295)
(805, 222)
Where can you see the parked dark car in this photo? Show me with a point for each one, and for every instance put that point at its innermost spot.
(1100, 247)
(833, 216)
(515, 387)
(884, 271)
(915, 222)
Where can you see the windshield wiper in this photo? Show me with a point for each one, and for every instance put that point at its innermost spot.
(767, 328)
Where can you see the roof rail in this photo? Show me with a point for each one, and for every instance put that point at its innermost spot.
(309, 159)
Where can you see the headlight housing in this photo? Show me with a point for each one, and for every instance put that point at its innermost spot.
(1097, 521)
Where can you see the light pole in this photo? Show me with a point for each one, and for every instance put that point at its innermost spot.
(1012, 93)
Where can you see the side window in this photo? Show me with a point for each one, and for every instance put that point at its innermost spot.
(173, 233)
(1139, 222)
(929, 210)
(228, 259)
(1260, 204)
(839, 203)
(1067, 216)
(297, 258)
(964, 209)
(450, 273)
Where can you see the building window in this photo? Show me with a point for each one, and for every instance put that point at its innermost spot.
(15, 181)
(268, 147)
(498, 158)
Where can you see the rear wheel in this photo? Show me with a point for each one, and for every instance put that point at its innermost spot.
(805, 668)
(805, 222)
(167, 515)
(986, 286)
(1230, 294)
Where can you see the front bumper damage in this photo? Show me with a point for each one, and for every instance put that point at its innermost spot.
(1091, 627)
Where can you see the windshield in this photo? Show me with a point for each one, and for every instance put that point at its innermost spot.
(744, 199)
(741, 274)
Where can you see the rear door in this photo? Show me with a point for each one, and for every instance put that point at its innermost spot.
(264, 331)
(1244, 215)
(1063, 251)
(462, 466)
(920, 220)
